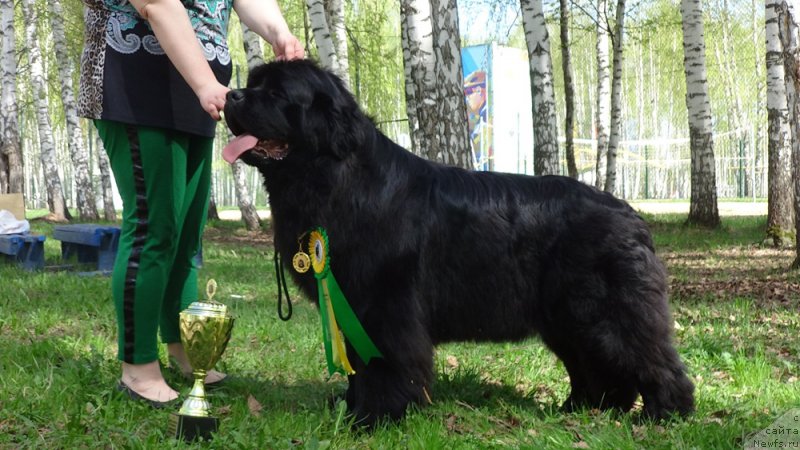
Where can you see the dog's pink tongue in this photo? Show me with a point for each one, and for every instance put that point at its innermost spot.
(237, 146)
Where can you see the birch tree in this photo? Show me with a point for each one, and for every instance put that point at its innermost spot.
(779, 201)
(545, 131)
(789, 32)
(109, 211)
(55, 192)
(418, 63)
(569, 90)
(11, 171)
(85, 198)
(255, 56)
(332, 49)
(603, 109)
(703, 209)
(616, 98)
(452, 145)
(334, 10)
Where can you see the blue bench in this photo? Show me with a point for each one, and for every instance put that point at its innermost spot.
(26, 250)
(89, 243)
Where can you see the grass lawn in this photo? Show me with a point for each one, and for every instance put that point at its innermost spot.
(735, 307)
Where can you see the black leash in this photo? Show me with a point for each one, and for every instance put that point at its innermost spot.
(281, 277)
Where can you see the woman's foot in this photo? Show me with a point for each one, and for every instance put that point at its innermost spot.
(146, 381)
(179, 359)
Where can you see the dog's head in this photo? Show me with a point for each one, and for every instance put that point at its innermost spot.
(291, 111)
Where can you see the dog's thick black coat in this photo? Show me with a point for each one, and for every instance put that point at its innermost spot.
(427, 253)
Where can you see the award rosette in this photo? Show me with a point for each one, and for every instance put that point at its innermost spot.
(205, 331)
(338, 319)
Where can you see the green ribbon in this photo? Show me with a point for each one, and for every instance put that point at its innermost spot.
(343, 314)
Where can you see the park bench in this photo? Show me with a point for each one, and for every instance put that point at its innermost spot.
(26, 250)
(89, 243)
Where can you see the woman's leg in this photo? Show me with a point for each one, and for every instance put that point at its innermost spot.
(149, 169)
(181, 288)
(182, 285)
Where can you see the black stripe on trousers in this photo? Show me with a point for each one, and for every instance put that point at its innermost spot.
(139, 238)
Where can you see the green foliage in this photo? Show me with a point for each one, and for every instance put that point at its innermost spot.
(59, 366)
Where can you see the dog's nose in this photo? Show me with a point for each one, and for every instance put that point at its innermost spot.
(235, 96)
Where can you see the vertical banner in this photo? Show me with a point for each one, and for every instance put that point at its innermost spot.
(476, 62)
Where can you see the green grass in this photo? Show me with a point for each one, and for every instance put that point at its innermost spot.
(737, 334)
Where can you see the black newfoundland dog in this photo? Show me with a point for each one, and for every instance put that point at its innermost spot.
(427, 253)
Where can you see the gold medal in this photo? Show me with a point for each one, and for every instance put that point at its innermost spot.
(301, 262)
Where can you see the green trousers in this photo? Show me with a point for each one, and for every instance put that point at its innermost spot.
(163, 177)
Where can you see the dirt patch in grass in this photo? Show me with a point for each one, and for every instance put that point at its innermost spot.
(227, 235)
(761, 274)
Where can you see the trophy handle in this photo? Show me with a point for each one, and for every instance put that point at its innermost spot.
(211, 290)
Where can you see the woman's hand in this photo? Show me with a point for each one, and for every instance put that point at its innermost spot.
(287, 47)
(212, 98)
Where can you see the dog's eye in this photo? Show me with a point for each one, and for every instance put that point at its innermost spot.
(273, 93)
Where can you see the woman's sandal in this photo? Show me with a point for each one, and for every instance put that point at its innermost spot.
(133, 395)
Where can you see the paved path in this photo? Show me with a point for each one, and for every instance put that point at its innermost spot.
(725, 208)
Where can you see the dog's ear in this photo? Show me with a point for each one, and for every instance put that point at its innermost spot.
(330, 121)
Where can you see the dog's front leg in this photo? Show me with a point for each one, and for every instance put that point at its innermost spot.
(385, 387)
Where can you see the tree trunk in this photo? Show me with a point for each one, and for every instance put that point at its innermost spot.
(252, 50)
(109, 211)
(213, 212)
(603, 110)
(452, 135)
(789, 32)
(12, 173)
(243, 199)
(545, 130)
(410, 86)
(703, 209)
(334, 10)
(759, 68)
(55, 192)
(85, 199)
(616, 98)
(418, 62)
(569, 91)
(327, 49)
(779, 201)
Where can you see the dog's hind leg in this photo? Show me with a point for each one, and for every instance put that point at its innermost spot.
(591, 384)
(665, 387)
(611, 325)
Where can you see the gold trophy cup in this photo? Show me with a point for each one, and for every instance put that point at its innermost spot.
(205, 332)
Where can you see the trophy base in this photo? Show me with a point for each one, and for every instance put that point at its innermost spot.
(191, 428)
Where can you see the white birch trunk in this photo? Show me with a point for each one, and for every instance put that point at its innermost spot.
(55, 192)
(603, 109)
(616, 99)
(545, 130)
(788, 12)
(335, 14)
(85, 198)
(12, 175)
(779, 201)
(328, 56)
(452, 135)
(253, 50)
(703, 209)
(419, 66)
(255, 57)
(109, 211)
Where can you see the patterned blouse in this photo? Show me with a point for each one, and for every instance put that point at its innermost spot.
(127, 77)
